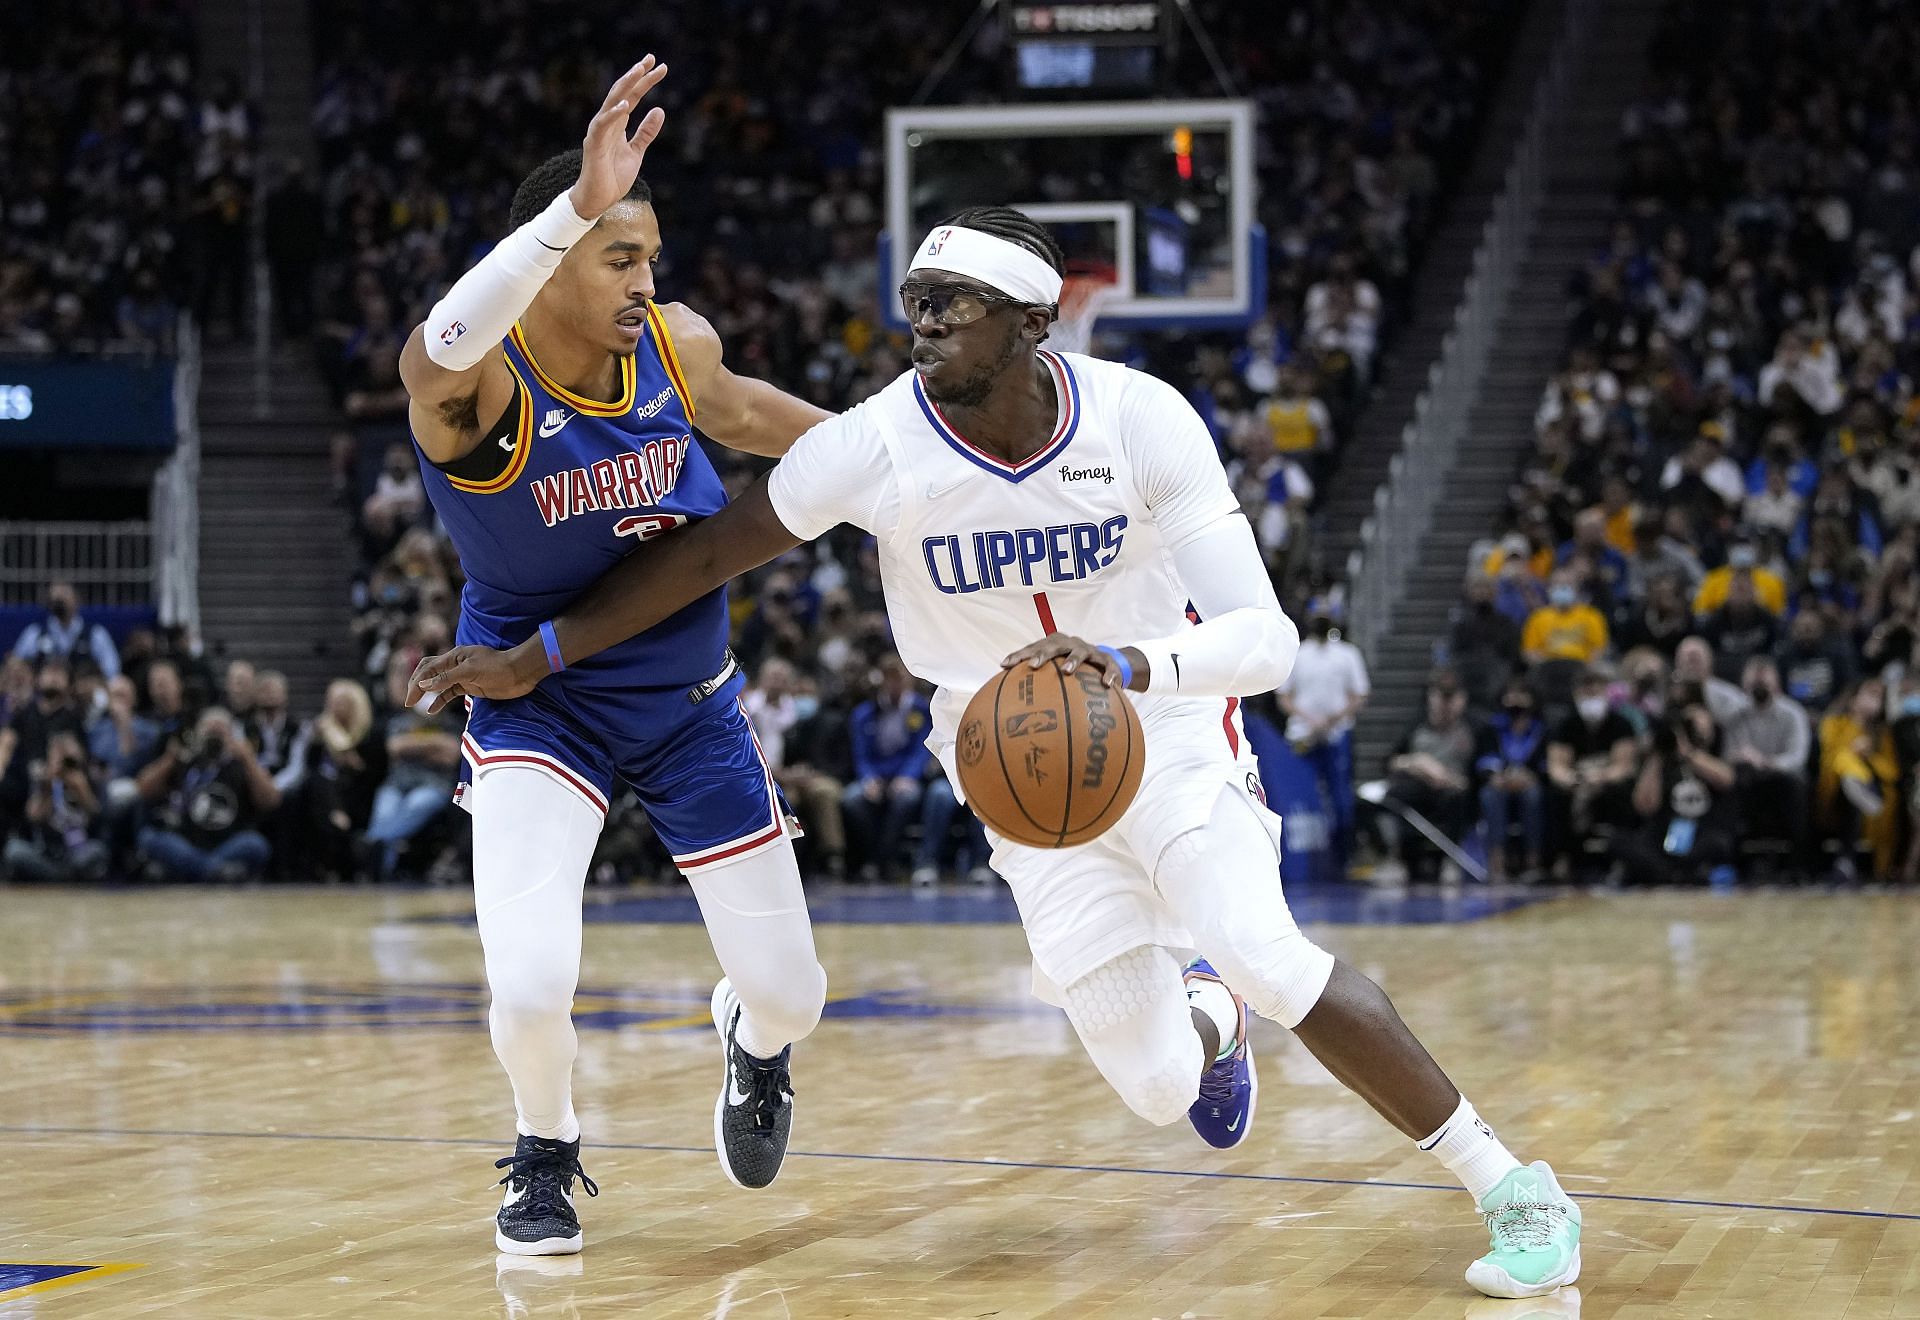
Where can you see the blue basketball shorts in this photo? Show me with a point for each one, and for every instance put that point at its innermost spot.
(696, 767)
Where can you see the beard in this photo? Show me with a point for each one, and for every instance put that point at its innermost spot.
(979, 383)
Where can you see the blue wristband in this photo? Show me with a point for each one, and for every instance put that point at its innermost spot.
(1126, 669)
(554, 662)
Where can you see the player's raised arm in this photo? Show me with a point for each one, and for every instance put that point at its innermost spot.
(457, 382)
(740, 412)
(653, 583)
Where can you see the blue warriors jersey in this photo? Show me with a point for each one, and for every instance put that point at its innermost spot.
(555, 495)
(585, 482)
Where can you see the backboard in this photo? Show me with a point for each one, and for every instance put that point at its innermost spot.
(1161, 192)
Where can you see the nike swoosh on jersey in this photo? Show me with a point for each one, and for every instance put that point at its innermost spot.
(935, 492)
(551, 428)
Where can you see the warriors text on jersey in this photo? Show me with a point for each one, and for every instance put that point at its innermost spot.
(562, 490)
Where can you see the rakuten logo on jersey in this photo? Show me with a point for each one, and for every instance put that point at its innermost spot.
(962, 564)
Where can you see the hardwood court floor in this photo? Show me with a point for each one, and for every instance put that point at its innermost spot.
(282, 1104)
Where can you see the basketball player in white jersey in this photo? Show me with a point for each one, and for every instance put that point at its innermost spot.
(1031, 505)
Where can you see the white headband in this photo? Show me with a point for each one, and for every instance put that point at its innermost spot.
(1005, 266)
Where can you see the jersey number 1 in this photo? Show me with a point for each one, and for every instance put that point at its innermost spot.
(1044, 608)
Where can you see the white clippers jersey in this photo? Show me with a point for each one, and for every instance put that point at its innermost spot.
(978, 558)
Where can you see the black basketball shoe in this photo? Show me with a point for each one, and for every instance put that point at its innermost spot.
(754, 1114)
(537, 1217)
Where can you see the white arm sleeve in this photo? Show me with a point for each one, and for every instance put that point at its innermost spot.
(1244, 643)
(476, 313)
(838, 472)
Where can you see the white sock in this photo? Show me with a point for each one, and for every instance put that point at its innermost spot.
(753, 1042)
(1216, 1001)
(568, 1129)
(1467, 1146)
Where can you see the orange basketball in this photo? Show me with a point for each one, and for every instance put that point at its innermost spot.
(1050, 759)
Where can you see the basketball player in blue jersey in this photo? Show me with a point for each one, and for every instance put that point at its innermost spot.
(553, 402)
(1024, 501)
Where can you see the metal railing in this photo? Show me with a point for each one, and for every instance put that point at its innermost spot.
(175, 500)
(108, 563)
(153, 561)
(1403, 506)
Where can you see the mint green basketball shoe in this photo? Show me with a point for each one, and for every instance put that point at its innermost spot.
(1535, 1229)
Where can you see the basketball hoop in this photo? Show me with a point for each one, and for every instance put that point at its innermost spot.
(1087, 287)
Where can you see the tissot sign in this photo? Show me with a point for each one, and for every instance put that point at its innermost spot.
(1094, 21)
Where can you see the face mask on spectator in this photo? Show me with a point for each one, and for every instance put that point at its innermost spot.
(1563, 596)
(1742, 556)
(1592, 709)
(806, 706)
(1760, 693)
(1910, 704)
(1820, 578)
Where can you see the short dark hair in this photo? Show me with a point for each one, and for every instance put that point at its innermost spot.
(1015, 227)
(553, 176)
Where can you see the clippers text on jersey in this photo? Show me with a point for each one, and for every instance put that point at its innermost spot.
(963, 563)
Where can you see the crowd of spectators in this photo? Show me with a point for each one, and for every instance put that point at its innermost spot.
(141, 760)
(129, 179)
(769, 185)
(1695, 638)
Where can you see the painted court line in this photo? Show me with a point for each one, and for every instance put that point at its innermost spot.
(948, 1160)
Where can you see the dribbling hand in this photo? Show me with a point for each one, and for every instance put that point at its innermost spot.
(609, 158)
(1074, 652)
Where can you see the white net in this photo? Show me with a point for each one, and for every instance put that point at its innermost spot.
(1081, 298)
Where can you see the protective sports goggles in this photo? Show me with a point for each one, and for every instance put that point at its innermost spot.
(949, 304)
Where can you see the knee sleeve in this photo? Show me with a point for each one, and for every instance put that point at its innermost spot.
(756, 913)
(1131, 1014)
(1223, 880)
(533, 840)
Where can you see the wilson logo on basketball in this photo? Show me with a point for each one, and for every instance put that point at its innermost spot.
(1028, 723)
(1101, 722)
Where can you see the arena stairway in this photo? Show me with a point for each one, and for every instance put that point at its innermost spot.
(275, 565)
(1571, 225)
(1442, 273)
(275, 561)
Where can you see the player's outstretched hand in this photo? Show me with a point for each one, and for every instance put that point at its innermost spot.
(467, 671)
(1074, 652)
(610, 158)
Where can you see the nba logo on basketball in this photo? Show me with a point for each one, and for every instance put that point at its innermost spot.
(938, 241)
